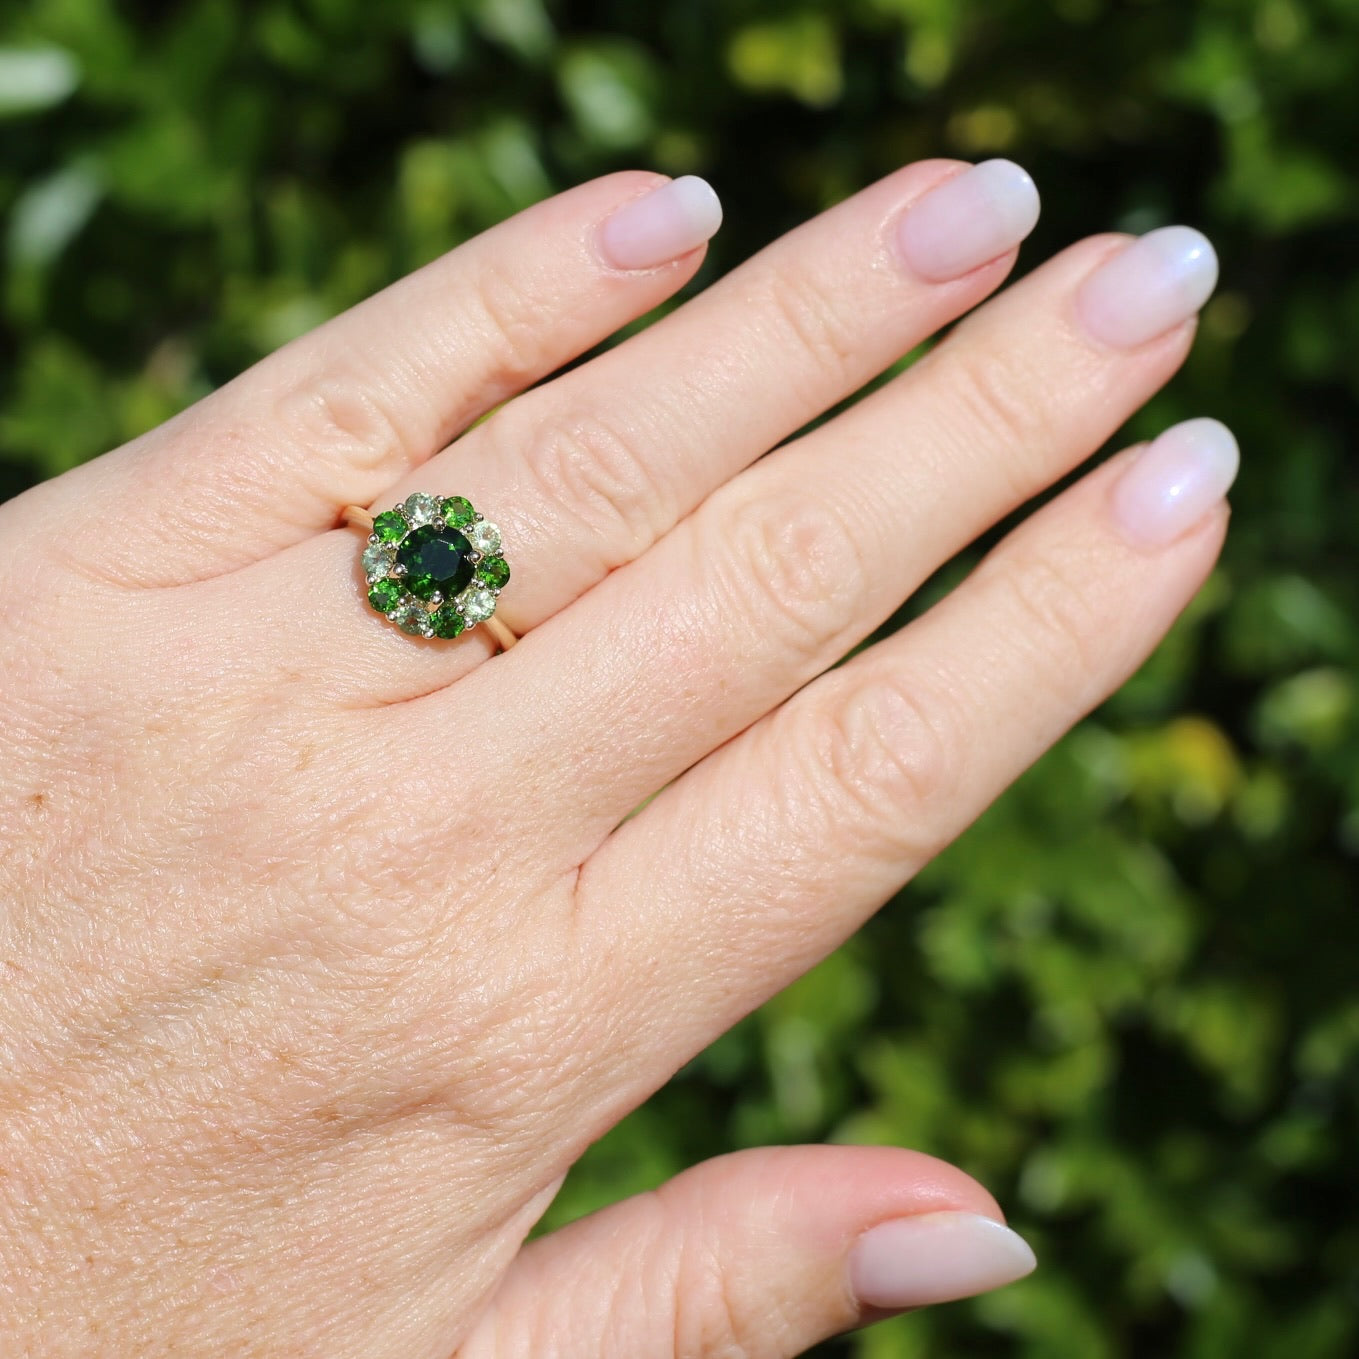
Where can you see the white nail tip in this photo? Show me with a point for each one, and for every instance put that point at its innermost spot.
(1176, 480)
(1152, 284)
(662, 225)
(935, 1257)
(967, 220)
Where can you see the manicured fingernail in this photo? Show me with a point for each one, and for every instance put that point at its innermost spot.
(968, 220)
(1152, 284)
(1173, 482)
(935, 1257)
(663, 225)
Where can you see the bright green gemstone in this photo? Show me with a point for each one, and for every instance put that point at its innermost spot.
(448, 622)
(458, 511)
(385, 595)
(389, 526)
(494, 571)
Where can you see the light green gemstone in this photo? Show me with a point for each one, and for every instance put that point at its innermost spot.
(477, 602)
(377, 560)
(495, 571)
(421, 508)
(458, 511)
(412, 618)
(389, 526)
(484, 536)
(385, 595)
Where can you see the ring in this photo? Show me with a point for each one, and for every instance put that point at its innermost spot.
(434, 567)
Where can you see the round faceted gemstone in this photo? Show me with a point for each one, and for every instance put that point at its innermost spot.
(385, 595)
(389, 526)
(484, 536)
(478, 604)
(413, 618)
(422, 508)
(458, 511)
(437, 561)
(448, 622)
(377, 560)
(495, 571)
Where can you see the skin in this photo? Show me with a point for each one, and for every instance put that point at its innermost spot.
(325, 953)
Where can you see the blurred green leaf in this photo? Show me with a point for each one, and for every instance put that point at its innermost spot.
(36, 78)
(49, 213)
(609, 87)
(799, 56)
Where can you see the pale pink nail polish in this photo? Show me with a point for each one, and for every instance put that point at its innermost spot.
(1172, 483)
(935, 1257)
(662, 225)
(967, 220)
(1152, 284)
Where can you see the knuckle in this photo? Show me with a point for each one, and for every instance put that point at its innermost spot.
(513, 320)
(712, 1315)
(1054, 606)
(994, 398)
(337, 414)
(890, 753)
(796, 568)
(593, 471)
(818, 321)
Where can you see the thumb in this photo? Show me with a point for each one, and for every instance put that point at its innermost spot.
(760, 1253)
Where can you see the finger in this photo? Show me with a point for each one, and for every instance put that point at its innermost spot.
(584, 473)
(782, 570)
(336, 416)
(767, 854)
(760, 1253)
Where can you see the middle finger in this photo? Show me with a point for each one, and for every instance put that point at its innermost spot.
(799, 558)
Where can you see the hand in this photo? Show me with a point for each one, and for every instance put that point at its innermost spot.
(325, 952)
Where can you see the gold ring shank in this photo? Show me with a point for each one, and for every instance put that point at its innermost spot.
(357, 517)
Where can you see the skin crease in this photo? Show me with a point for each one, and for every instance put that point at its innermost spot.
(323, 959)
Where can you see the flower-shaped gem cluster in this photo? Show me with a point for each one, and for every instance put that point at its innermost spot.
(433, 565)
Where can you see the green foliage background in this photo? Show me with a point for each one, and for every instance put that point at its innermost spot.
(1127, 999)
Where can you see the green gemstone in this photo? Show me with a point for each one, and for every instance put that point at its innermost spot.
(495, 571)
(412, 618)
(385, 595)
(458, 511)
(437, 560)
(448, 622)
(389, 526)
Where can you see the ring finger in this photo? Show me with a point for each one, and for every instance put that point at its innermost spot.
(798, 559)
(585, 473)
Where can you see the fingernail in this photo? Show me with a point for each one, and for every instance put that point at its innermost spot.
(663, 225)
(968, 220)
(935, 1257)
(1173, 482)
(1152, 284)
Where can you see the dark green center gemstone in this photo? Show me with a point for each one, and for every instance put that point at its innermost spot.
(436, 559)
(384, 595)
(495, 571)
(389, 526)
(458, 511)
(448, 622)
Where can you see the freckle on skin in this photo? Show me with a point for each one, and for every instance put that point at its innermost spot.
(39, 800)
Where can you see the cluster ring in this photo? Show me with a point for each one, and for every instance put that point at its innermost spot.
(433, 566)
